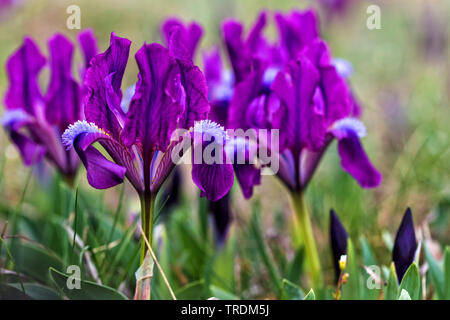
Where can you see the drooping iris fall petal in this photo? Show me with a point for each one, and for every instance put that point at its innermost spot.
(212, 170)
(353, 157)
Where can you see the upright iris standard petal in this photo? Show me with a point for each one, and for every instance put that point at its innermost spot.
(297, 29)
(158, 102)
(196, 106)
(88, 45)
(63, 89)
(405, 245)
(103, 81)
(190, 35)
(353, 157)
(212, 171)
(338, 240)
(23, 68)
(303, 123)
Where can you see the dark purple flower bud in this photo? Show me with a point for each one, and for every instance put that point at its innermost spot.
(338, 240)
(405, 245)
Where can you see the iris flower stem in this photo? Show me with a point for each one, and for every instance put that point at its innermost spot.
(147, 211)
(304, 232)
(143, 288)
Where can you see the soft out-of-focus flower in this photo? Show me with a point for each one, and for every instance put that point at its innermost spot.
(405, 245)
(338, 240)
(294, 85)
(35, 121)
(190, 35)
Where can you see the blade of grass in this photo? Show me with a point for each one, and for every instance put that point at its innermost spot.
(264, 253)
(75, 223)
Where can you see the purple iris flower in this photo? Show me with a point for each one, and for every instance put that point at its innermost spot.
(405, 245)
(338, 240)
(297, 89)
(35, 121)
(170, 94)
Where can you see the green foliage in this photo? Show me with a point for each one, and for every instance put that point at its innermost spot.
(411, 282)
(88, 290)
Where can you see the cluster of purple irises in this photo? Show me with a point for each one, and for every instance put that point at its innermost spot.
(291, 84)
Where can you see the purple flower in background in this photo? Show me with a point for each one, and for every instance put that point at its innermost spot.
(338, 240)
(292, 85)
(298, 90)
(35, 121)
(405, 245)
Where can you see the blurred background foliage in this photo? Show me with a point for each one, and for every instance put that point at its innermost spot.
(402, 79)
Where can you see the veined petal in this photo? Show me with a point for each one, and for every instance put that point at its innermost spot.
(101, 172)
(63, 99)
(405, 245)
(110, 63)
(158, 102)
(196, 105)
(23, 68)
(353, 157)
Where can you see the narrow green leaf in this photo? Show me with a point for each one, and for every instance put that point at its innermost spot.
(391, 292)
(264, 253)
(436, 274)
(291, 291)
(192, 291)
(411, 282)
(310, 296)
(88, 290)
(352, 289)
(222, 294)
(34, 261)
(37, 291)
(447, 272)
(296, 266)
